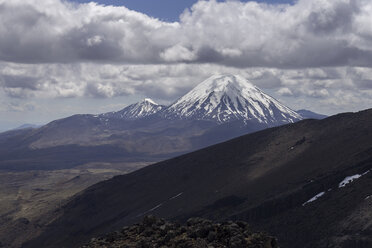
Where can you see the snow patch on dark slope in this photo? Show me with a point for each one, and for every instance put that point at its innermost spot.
(316, 197)
(350, 179)
(136, 111)
(226, 98)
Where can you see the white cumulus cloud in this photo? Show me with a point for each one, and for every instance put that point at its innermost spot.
(306, 34)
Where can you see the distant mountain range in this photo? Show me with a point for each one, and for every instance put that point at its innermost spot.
(307, 114)
(27, 125)
(308, 183)
(220, 108)
(221, 99)
(136, 111)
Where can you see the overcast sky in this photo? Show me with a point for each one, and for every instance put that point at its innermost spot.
(59, 58)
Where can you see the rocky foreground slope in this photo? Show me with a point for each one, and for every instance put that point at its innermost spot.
(198, 232)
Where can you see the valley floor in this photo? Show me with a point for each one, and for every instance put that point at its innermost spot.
(28, 199)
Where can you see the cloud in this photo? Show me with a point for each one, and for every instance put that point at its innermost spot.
(17, 107)
(266, 78)
(53, 31)
(312, 53)
(318, 93)
(19, 81)
(178, 53)
(285, 92)
(168, 82)
(306, 34)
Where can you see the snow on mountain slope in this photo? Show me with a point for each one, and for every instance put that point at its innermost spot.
(224, 98)
(136, 111)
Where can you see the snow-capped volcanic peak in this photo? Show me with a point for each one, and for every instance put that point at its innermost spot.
(138, 110)
(224, 98)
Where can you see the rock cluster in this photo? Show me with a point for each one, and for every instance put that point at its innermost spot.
(153, 232)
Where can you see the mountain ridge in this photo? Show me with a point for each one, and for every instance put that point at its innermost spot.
(223, 98)
(135, 111)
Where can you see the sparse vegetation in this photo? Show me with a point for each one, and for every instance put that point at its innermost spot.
(153, 232)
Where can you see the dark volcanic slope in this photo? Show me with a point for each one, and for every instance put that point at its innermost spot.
(263, 178)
